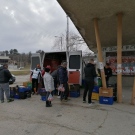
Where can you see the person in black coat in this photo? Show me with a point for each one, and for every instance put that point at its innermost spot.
(90, 73)
(108, 73)
(5, 76)
(63, 79)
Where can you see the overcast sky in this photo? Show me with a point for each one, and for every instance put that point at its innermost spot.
(31, 25)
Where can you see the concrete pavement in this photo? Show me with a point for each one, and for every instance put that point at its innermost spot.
(31, 117)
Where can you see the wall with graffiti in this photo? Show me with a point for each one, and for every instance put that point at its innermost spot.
(128, 62)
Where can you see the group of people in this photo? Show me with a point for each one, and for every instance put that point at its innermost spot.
(90, 74)
(50, 80)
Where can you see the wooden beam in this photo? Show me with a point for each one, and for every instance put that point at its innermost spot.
(119, 58)
(100, 57)
(133, 94)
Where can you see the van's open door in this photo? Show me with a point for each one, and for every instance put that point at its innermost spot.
(75, 67)
(35, 59)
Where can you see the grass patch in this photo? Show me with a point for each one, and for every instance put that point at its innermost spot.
(26, 72)
(27, 67)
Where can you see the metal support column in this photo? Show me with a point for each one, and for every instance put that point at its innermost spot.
(133, 94)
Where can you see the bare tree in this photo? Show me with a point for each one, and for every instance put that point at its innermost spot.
(59, 43)
(75, 42)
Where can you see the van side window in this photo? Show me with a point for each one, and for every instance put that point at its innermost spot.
(74, 62)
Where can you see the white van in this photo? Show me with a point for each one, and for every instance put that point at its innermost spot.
(54, 59)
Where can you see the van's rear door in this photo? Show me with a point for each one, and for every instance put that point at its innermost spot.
(35, 59)
(75, 67)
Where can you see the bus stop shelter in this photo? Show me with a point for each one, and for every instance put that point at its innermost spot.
(104, 23)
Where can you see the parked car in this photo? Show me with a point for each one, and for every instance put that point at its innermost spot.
(12, 80)
(20, 68)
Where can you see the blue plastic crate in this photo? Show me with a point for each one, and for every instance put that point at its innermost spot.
(22, 89)
(43, 98)
(29, 88)
(74, 94)
(16, 96)
(106, 100)
(42, 92)
(96, 89)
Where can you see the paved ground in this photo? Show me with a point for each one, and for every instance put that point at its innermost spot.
(31, 117)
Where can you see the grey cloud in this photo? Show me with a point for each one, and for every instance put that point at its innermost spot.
(26, 30)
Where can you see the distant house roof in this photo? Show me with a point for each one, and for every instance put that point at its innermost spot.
(4, 58)
(82, 13)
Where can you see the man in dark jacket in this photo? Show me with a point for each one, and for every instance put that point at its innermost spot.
(5, 75)
(90, 73)
(63, 78)
(108, 72)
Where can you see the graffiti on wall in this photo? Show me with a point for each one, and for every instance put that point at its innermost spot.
(128, 62)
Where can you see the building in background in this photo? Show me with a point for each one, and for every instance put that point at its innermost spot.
(3, 58)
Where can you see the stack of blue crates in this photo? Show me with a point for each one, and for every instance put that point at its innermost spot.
(24, 92)
(14, 93)
(95, 93)
(75, 94)
(106, 96)
(74, 91)
(106, 100)
(20, 92)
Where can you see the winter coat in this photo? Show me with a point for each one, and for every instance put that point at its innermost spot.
(90, 72)
(5, 75)
(108, 73)
(48, 82)
(62, 75)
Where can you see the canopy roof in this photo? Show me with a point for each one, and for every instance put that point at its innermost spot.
(4, 58)
(82, 13)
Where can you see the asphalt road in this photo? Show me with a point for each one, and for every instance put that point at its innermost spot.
(20, 80)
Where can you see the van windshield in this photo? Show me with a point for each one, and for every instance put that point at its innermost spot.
(74, 62)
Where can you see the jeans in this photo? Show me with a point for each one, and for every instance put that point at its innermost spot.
(4, 87)
(89, 85)
(66, 93)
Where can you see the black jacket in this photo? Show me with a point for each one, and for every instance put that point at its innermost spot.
(62, 75)
(90, 72)
(54, 74)
(108, 73)
(5, 75)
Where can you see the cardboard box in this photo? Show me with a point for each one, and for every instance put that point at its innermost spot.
(106, 92)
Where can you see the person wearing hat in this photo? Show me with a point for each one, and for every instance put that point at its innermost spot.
(36, 78)
(49, 85)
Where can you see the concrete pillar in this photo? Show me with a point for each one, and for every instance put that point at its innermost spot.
(100, 57)
(119, 58)
(133, 94)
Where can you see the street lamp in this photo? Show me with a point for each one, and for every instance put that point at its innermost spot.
(60, 40)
